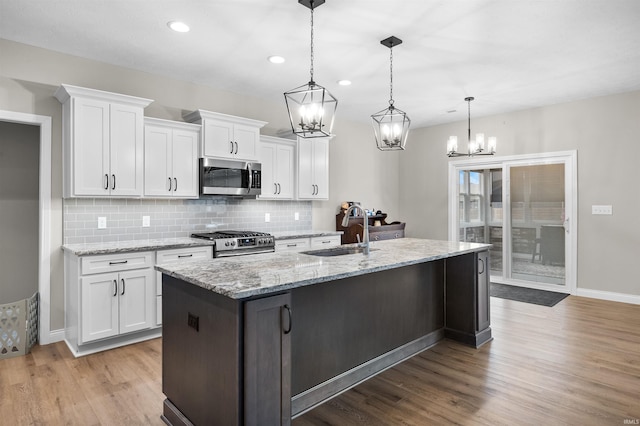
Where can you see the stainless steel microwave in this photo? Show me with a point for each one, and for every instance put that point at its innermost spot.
(230, 177)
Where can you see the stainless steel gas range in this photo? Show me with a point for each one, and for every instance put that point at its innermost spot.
(235, 243)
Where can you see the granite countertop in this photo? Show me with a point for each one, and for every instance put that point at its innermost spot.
(289, 235)
(260, 274)
(134, 246)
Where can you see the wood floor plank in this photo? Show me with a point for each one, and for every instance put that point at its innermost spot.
(575, 363)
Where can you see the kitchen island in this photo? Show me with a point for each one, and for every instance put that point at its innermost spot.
(261, 339)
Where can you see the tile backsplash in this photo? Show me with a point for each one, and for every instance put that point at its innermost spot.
(177, 218)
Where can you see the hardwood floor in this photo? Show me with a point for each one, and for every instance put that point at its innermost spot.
(575, 363)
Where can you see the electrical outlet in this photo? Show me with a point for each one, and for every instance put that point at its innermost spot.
(267, 217)
(146, 221)
(296, 216)
(102, 222)
(602, 210)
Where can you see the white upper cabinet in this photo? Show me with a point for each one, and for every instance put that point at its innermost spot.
(313, 169)
(227, 136)
(170, 159)
(277, 156)
(102, 142)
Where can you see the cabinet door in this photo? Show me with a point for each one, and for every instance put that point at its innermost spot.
(483, 320)
(306, 184)
(185, 163)
(321, 167)
(284, 171)
(99, 307)
(217, 139)
(157, 161)
(269, 170)
(246, 140)
(267, 363)
(126, 150)
(90, 145)
(137, 298)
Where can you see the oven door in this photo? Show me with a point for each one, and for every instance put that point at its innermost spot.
(229, 177)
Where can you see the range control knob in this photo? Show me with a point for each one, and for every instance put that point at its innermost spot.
(226, 243)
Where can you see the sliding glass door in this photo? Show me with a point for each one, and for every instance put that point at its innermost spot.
(522, 206)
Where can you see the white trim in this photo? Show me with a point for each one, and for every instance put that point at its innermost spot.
(608, 295)
(44, 245)
(569, 158)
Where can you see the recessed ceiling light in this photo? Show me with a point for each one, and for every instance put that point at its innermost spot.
(275, 59)
(179, 27)
(344, 82)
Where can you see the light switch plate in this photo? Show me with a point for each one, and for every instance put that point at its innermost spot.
(296, 216)
(146, 221)
(102, 222)
(267, 217)
(602, 210)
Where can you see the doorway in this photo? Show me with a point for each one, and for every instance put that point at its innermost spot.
(524, 206)
(44, 216)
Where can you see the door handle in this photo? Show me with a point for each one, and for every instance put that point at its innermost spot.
(231, 150)
(175, 187)
(275, 188)
(115, 288)
(482, 263)
(169, 184)
(279, 189)
(106, 181)
(121, 294)
(236, 147)
(114, 182)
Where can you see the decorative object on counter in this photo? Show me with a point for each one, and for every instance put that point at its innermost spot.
(311, 107)
(391, 125)
(475, 147)
(379, 229)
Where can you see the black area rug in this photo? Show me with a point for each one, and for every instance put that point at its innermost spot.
(527, 295)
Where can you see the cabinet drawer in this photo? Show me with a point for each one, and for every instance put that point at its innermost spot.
(386, 235)
(115, 262)
(293, 244)
(179, 255)
(328, 241)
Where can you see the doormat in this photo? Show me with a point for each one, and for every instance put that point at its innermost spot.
(526, 295)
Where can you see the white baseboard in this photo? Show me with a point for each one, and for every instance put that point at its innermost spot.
(608, 295)
(53, 337)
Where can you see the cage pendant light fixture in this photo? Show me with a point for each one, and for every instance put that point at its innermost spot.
(391, 125)
(311, 107)
(474, 147)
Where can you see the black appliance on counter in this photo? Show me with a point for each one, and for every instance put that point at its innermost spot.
(235, 243)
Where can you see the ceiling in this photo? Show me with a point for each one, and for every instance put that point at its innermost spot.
(508, 54)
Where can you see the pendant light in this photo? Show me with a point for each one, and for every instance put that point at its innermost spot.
(474, 147)
(311, 107)
(391, 125)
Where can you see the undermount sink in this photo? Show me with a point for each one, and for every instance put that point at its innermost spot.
(336, 251)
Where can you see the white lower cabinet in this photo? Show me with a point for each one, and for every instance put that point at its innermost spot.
(174, 256)
(109, 301)
(308, 243)
(116, 303)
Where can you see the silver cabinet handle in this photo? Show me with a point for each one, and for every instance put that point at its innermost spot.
(175, 187)
(115, 288)
(122, 280)
(169, 184)
(180, 256)
(231, 151)
(250, 177)
(236, 147)
(106, 181)
(122, 262)
(114, 182)
(275, 188)
(279, 189)
(482, 263)
(292, 245)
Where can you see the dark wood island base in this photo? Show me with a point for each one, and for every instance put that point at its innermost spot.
(267, 359)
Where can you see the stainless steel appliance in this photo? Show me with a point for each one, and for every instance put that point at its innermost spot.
(235, 243)
(230, 177)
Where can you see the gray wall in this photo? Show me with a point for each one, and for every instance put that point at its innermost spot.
(29, 76)
(605, 131)
(19, 175)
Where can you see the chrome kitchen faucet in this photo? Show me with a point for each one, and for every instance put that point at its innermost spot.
(365, 219)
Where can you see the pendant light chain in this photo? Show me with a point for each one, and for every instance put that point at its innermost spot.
(391, 76)
(469, 120)
(311, 69)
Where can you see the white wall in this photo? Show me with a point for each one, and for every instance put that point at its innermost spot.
(606, 133)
